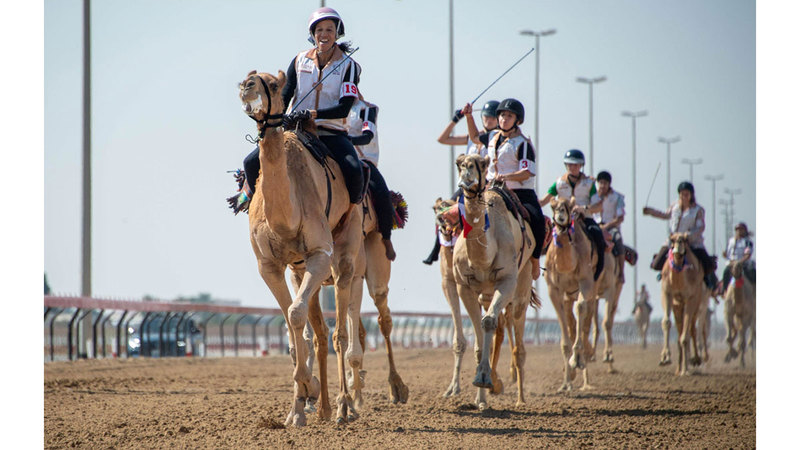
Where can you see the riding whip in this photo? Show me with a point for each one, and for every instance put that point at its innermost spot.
(346, 57)
(501, 76)
(652, 184)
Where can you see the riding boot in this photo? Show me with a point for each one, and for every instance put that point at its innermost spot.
(621, 264)
(659, 259)
(434, 255)
(535, 270)
(390, 254)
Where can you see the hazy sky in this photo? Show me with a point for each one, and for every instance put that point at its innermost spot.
(167, 122)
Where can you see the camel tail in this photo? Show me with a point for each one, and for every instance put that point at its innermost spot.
(536, 302)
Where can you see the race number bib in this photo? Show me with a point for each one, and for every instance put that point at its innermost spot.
(349, 90)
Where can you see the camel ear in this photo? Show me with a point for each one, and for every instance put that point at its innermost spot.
(281, 79)
(460, 160)
(252, 72)
(571, 203)
(484, 164)
(437, 204)
(553, 202)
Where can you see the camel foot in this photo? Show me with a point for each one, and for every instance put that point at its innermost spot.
(587, 387)
(398, 391)
(608, 357)
(519, 403)
(497, 383)
(512, 375)
(324, 412)
(565, 387)
(666, 359)
(362, 375)
(452, 390)
(483, 379)
(296, 416)
(576, 361)
(695, 361)
(612, 370)
(345, 412)
(482, 406)
(311, 406)
(571, 374)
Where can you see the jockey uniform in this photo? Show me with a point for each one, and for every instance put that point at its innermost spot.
(512, 155)
(613, 204)
(363, 132)
(688, 221)
(332, 100)
(737, 249)
(582, 190)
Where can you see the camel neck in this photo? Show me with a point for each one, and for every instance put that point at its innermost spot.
(275, 184)
(475, 216)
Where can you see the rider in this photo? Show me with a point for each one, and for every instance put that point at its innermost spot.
(363, 133)
(329, 103)
(577, 184)
(611, 216)
(513, 161)
(740, 248)
(685, 215)
(489, 119)
(642, 301)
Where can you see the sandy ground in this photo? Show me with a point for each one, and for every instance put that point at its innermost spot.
(242, 402)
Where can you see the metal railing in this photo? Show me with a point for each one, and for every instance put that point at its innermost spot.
(157, 329)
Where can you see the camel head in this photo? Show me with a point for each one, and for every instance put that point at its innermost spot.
(679, 244)
(562, 211)
(737, 269)
(472, 174)
(447, 217)
(260, 94)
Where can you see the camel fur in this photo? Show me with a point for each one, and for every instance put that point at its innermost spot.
(493, 259)
(288, 224)
(682, 289)
(571, 263)
(449, 225)
(740, 312)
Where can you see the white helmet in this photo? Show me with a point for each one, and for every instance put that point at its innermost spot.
(321, 14)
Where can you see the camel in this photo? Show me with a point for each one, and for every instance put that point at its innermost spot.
(641, 315)
(740, 312)
(704, 322)
(492, 257)
(609, 287)
(292, 225)
(682, 289)
(378, 272)
(571, 263)
(449, 226)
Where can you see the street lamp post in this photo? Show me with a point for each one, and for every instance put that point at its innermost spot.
(538, 153)
(692, 163)
(452, 102)
(731, 210)
(713, 179)
(726, 212)
(633, 117)
(669, 142)
(591, 82)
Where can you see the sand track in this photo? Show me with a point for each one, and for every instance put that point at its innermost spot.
(242, 402)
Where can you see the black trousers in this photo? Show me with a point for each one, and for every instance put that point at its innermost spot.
(342, 151)
(531, 202)
(596, 235)
(382, 201)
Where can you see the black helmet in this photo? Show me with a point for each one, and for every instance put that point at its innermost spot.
(513, 105)
(686, 186)
(574, 156)
(490, 108)
(604, 175)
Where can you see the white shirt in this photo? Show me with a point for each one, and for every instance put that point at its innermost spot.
(613, 206)
(687, 221)
(737, 248)
(332, 89)
(510, 156)
(357, 126)
(583, 190)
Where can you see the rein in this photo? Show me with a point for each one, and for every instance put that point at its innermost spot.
(264, 124)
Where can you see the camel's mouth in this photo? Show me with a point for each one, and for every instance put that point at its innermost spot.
(253, 106)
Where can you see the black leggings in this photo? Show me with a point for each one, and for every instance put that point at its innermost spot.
(531, 202)
(342, 151)
(596, 235)
(382, 201)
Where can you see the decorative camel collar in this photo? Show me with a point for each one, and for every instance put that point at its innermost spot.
(675, 267)
(570, 232)
(464, 223)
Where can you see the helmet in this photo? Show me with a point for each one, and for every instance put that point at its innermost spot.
(490, 108)
(321, 14)
(604, 175)
(513, 105)
(574, 156)
(686, 186)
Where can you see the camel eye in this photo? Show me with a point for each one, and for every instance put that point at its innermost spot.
(250, 83)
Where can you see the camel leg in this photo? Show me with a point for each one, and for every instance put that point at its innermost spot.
(497, 345)
(731, 329)
(473, 307)
(273, 276)
(355, 351)
(595, 315)
(308, 336)
(565, 320)
(459, 342)
(666, 303)
(516, 317)
(320, 328)
(504, 291)
(581, 348)
(742, 344)
(682, 327)
(612, 301)
(377, 276)
(509, 328)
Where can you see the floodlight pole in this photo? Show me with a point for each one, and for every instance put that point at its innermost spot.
(591, 82)
(634, 116)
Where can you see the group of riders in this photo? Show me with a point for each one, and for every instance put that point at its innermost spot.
(322, 84)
